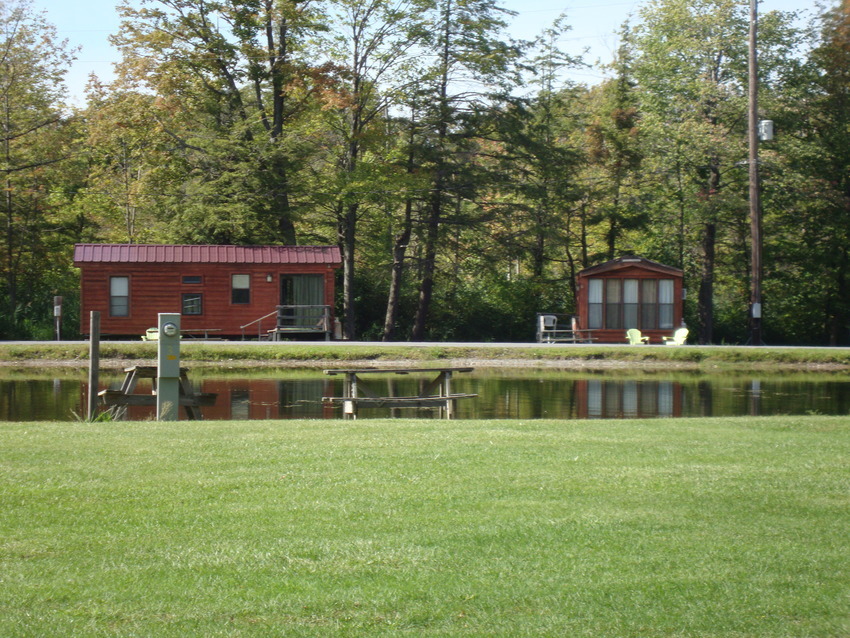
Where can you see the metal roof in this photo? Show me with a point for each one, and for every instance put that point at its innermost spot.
(630, 260)
(205, 254)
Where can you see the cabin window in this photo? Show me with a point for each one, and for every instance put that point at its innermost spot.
(649, 305)
(630, 303)
(119, 296)
(192, 279)
(613, 303)
(665, 304)
(240, 289)
(616, 304)
(594, 305)
(192, 303)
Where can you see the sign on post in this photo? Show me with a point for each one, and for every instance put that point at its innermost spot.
(57, 317)
(168, 367)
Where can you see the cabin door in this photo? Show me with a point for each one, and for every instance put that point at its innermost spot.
(302, 291)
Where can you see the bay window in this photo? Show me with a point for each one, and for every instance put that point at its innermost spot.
(645, 304)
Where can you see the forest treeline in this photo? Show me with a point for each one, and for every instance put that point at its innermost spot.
(464, 179)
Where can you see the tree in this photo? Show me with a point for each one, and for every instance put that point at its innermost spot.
(127, 182)
(540, 153)
(471, 66)
(32, 66)
(231, 80)
(689, 69)
(401, 229)
(615, 152)
(534, 170)
(691, 66)
(372, 45)
(808, 190)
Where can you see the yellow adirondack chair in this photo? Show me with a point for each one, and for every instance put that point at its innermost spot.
(635, 338)
(152, 334)
(678, 338)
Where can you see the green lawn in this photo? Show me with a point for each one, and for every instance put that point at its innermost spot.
(668, 527)
(330, 355)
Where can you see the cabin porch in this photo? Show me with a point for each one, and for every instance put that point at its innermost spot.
(287, 320)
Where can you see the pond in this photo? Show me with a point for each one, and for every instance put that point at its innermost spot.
(502, 394)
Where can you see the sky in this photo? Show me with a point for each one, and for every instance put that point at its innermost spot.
(594, 24)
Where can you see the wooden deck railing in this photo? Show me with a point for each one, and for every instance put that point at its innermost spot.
(294, 319)
(259, 323)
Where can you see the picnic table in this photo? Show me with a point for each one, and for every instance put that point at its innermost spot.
(188, 398)
(434, 393)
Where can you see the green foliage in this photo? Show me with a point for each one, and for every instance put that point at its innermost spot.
(413, 135)
(35, 138)
(490, 309)
(812, 226)
(107, 416)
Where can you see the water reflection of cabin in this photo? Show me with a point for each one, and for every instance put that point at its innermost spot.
(630, 292)
(246, 399)
(618, 399)
(222, 291)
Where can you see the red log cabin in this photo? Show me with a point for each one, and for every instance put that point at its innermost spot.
(221, 291)
(630, 292)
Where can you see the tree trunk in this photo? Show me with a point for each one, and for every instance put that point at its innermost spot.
(426, 287)
(611, 237)
(347, 235)
(705, 303)
(11, 270)
(396, 276)
(429, 265)
(838, 320)
(614, 220)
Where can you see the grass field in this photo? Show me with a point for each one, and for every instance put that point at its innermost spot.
(668, 527)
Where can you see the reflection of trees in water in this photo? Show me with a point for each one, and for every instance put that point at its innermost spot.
(39, 399)
(45, 398)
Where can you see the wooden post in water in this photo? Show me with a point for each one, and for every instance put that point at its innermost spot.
(94, 363)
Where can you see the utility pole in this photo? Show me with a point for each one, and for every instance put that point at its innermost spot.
(755, 203)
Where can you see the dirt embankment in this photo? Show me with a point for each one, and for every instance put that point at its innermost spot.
(365, 363)
(550, 364)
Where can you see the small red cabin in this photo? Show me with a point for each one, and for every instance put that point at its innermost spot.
(630, 292)
(223, 291)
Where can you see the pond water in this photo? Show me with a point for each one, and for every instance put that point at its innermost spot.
(502, 393)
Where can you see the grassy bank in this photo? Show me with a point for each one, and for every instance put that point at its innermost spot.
(322, 354)
(700, 527)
